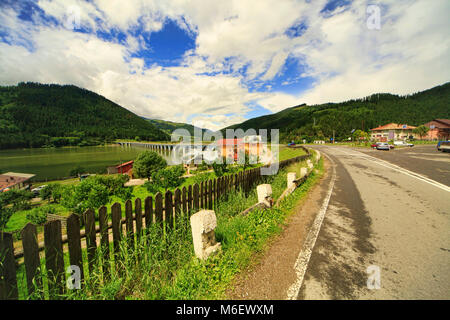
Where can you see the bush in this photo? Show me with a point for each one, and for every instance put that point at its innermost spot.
(39, 215)
(77, 171)
(147, 163)
(169, 177)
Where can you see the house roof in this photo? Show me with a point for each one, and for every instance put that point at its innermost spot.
(10, 179)
(393, 126)
(125, 164)
(442, 123)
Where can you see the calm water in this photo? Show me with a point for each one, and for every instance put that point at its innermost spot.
(56, 163)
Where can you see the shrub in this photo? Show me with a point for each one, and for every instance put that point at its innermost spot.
(147, 163)
(39, 215)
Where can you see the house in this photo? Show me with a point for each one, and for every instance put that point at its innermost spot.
(230, 148)
(14, 180)
(126, 168)
(393, 131)
(439, 129)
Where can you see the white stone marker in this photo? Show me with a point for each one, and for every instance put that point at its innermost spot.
(317, 156)
(310, 165)
(265, 194)
(291, 177)
(303, 172)
(203, 224)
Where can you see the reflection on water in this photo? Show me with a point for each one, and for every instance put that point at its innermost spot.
(56, 163)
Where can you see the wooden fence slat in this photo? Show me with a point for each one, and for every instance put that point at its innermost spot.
(129, 222)
(148, 211)
(210, 191)
(184, 200)
(158, 208)
(202, 191)
(8, 280)
(177, 202)
(91, 243)
(168, 208)
(190, 198)
(54, 258)
(138, 212)
(74, 243)
(116, 217)
(31, 257)
(104, 239)
(215, 192)
(196, 200)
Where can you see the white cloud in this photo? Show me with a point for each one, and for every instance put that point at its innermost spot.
(411, 52)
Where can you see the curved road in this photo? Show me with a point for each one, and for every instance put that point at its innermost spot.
(387, 221)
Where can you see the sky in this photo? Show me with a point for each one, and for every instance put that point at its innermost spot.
(217, 63)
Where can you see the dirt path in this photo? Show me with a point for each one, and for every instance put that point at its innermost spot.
(273, 272)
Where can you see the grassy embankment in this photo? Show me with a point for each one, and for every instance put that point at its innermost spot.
(167, 268)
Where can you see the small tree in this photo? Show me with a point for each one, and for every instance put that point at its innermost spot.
(147, 163)
(220, 168)
(168, 177)
(421, 131)
(77, 171)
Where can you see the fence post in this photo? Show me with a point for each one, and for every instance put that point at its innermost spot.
(158, 208)
(74, 243)
(31, 257)
(91, 243)
(54, 258)
(104, 239)
(148, 211)
(168, 208)
(8, 280)
(138, 213)
(196, 197)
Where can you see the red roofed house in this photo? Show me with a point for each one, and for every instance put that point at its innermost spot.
(229, 148)
(13, 180)
(393, 131)
(126, 168)
(439, 129)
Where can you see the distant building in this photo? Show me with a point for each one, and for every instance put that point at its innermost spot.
(14, 180)
(230, 148)
(439, 129)
(126, 168)
(393, 131)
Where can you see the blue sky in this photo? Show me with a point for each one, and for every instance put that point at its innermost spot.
(215, 64)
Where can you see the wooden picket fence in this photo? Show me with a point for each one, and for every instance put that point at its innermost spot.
(163, 208)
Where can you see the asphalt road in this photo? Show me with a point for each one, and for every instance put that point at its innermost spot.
(381, 217)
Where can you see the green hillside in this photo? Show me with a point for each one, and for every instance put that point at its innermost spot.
(297, 122)
(169, 126)
(36, 115)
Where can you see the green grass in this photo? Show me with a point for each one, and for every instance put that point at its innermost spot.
(167, 268)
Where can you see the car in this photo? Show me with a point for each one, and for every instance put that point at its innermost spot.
(403, 144)
(443, 146)
(383, 146)
(36, 191)
(291, 144)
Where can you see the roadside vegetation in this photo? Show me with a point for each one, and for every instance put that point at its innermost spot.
(164, 265)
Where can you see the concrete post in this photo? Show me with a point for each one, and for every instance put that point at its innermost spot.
(265, 194)
(291, 177)
(303, 172)
(310, 165)
(203, 224)
(317, 156)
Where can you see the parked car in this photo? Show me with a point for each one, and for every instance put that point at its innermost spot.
(443, 146)
(403, 144)
(383, 146)
(291, 144)
(36, 191)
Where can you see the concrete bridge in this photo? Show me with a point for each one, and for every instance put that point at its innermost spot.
(161, 147)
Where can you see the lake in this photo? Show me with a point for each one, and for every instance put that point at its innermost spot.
(56, 163)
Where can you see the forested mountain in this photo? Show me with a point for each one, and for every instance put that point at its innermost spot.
(169, 126)
(319, 121)
(35, 115)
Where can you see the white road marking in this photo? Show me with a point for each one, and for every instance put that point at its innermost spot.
(305, 254)
(398, 169)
